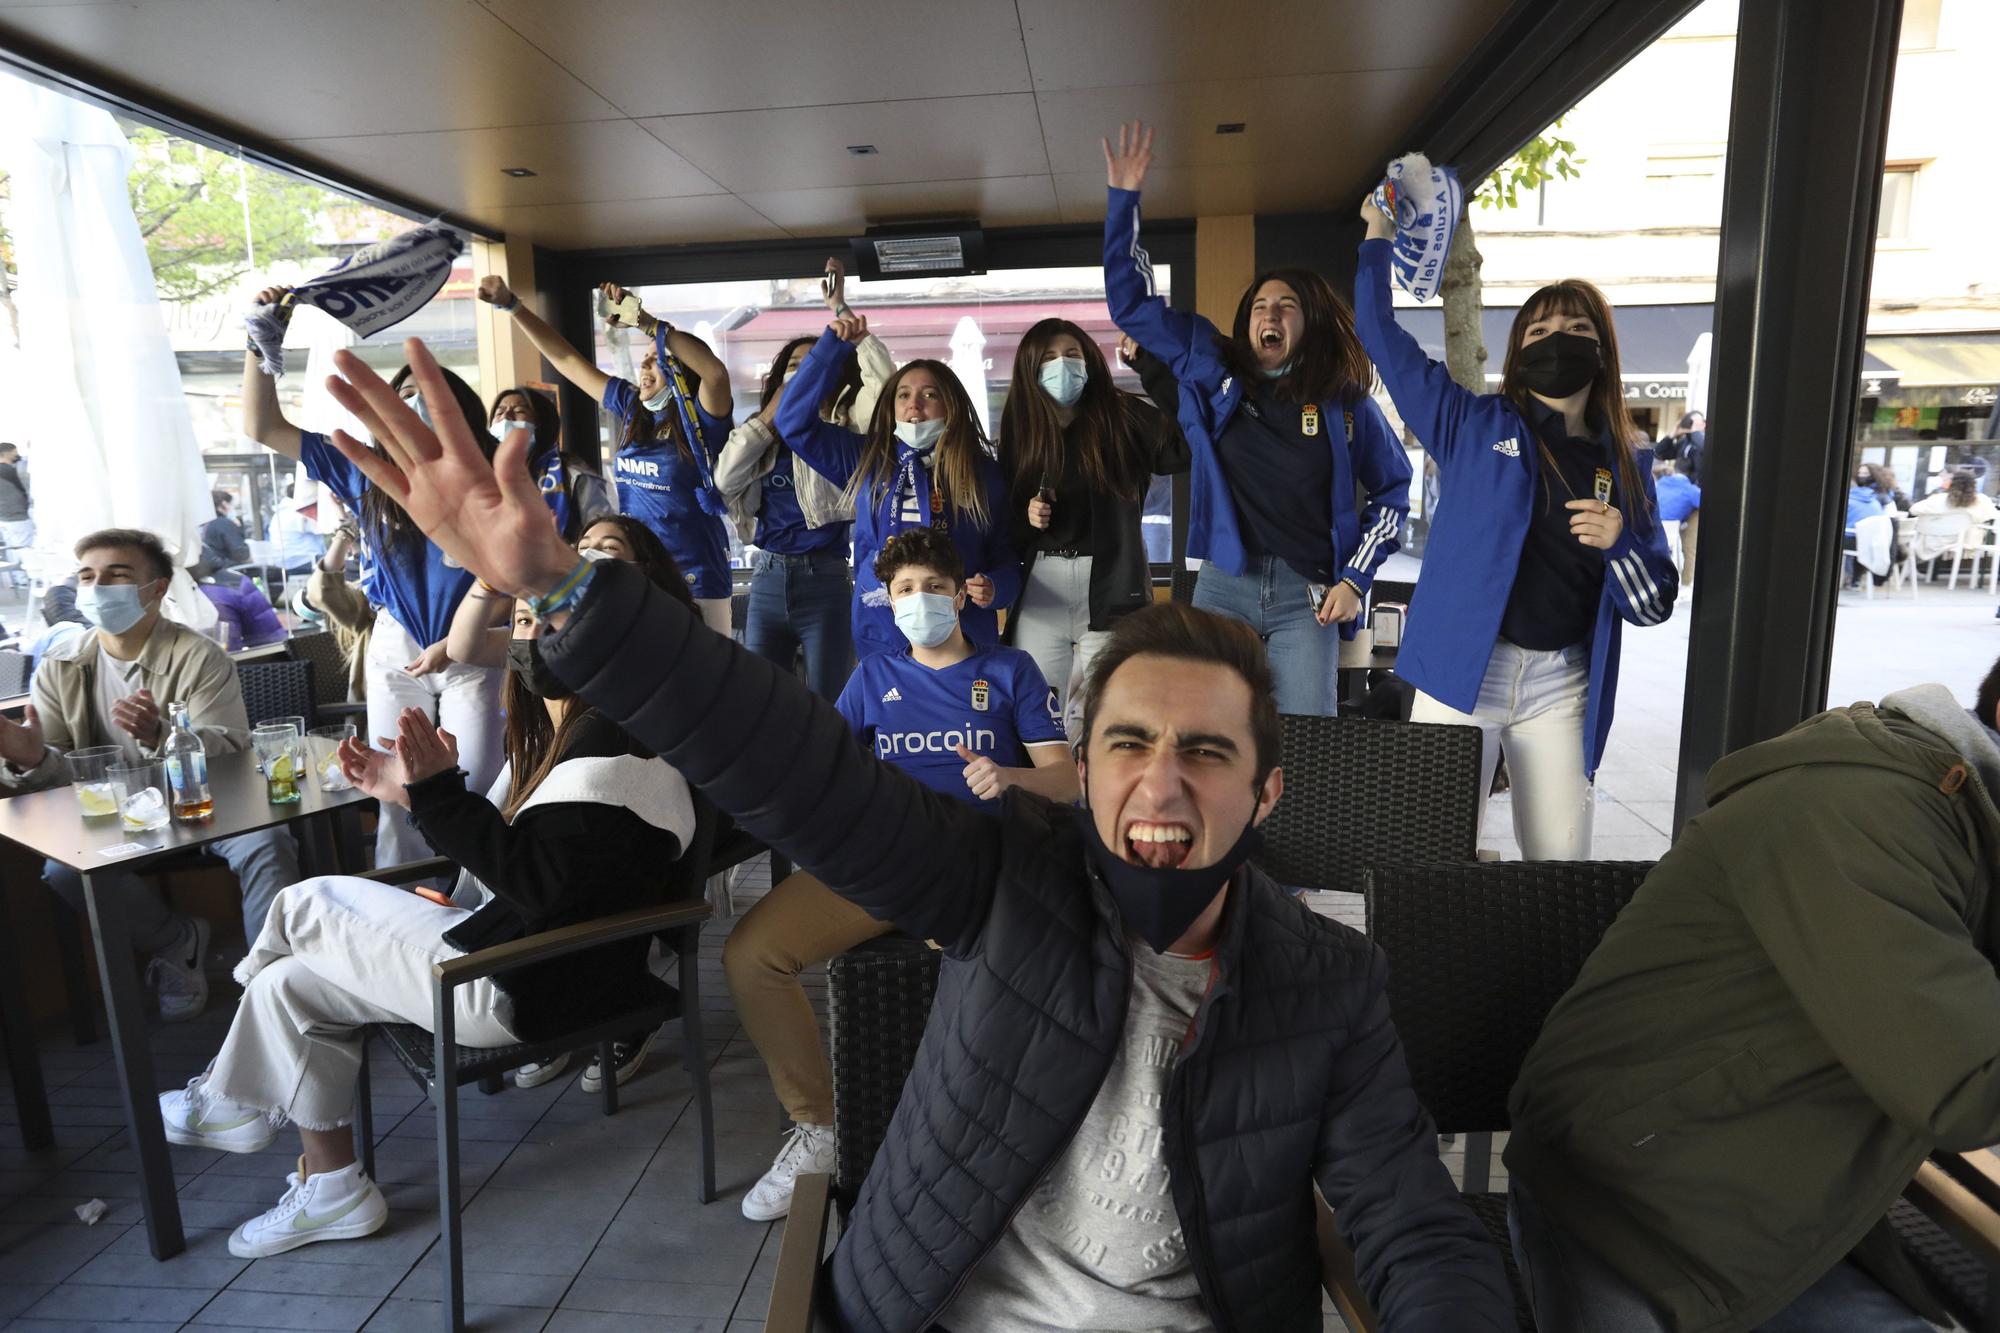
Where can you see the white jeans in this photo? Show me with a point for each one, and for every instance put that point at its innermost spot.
(1052, 625)
(463, 700)
(337, 952)
(1531, 705)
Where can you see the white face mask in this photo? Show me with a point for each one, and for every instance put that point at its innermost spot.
(1064, 378)
(920, 435)
(505, 424)
(659, 400)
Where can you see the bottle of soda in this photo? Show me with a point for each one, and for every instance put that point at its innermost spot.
(187, 768)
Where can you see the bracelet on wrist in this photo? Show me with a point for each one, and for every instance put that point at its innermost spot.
(513, 301)
(1357, 588)
(565, 594)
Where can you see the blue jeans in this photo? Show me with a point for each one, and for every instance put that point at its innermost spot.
(264, 862)
(803, 602)
(1573, 1291)
(1271, 598)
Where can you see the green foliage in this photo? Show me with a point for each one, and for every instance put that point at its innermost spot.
(191, 205)
(1544, 158)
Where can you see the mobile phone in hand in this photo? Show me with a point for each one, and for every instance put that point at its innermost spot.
(1047, 495)
(1316, 595)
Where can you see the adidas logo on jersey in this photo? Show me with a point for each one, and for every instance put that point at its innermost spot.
(894, 696)
(1511, 448)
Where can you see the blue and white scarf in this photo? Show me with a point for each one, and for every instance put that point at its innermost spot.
(708, 496)
(1425, 203)
(372, 289)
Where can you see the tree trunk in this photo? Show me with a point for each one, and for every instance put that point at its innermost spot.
(1464, 331)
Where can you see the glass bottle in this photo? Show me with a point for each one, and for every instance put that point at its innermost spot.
(187, 768)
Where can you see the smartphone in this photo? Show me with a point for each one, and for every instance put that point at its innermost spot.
(1047, 495)
(1316, 596)
(625, 313)
(425, 891)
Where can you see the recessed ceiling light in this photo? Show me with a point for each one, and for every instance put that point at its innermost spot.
(1230, 127)
(863, 149)
(516, 172)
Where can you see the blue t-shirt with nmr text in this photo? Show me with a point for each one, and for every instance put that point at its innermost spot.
(994, 703)
(657, 484)
(420, 591)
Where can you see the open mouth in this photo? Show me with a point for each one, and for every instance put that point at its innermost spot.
(1158, 846)
(1270, 338)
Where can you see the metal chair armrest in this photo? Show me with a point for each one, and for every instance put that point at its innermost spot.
(797, 1278)
(428, 868)
(567, 940)
(1337, 1275)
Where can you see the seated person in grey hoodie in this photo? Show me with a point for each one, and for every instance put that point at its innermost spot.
(1797, 1007)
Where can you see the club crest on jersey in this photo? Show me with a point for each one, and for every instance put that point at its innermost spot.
(980, 699)
(1309, 421)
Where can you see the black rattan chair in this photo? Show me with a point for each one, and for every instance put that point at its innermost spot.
(277, 688)
(1361, 791)
(440, 1066)
(1478, 955)
(16, 670)
(1182, 583)
(329, 675)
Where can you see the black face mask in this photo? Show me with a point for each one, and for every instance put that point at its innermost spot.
(1560, 364)
(1159, 905)
(528, 667)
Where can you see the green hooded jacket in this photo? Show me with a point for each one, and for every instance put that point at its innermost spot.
(1798, 1005)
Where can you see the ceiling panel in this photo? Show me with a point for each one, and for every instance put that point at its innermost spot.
(1109, 42)
(803, 148)
(1173, 192)
(291, 70)
(1001, 202)
(1325, 129)
(629, 222)
(754, 54)
(575, 163)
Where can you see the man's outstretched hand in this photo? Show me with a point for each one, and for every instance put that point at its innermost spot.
(488, 516)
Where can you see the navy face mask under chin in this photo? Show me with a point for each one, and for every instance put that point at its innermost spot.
(1158, 905)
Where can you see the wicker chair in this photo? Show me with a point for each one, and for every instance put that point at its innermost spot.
(329, 664)
(440, 1066)
(277, 689)
(1182, 583)
(1361, 790)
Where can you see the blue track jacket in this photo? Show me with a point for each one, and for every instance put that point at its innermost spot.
(1488, 469)
(1366, 453)
(834, 452)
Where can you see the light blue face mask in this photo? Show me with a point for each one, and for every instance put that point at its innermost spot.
(920, 435)
(660, 400)
(421, 408)
(112, 607)
(1277, 372)
(505, 424)
(926, 618)
(1064, 378)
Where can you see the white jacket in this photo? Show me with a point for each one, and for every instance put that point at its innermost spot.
(752, 451)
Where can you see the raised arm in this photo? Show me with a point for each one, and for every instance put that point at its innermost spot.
(571, 364)
(1136, 305)
(263, 419)
(877, 364)
(1431, 403)
(752, 737)
(714, 394)
(832, 451)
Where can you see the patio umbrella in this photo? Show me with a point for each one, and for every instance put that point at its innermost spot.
(113, 444)
(1698, 357)
(968, 362)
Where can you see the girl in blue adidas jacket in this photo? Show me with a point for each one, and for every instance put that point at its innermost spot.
(1545, 539)
(1282, 437)
(921, 461)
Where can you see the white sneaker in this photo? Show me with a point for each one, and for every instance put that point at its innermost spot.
(333, 1205)
(175, 974)
(199, 1119)
(809, 1149)
(532, 1075)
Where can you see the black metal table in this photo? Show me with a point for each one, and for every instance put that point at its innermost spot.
(50, 824)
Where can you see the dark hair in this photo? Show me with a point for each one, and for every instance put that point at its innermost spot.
(1963, 489)
(926, 548)
(8, 448)
(845, 385)
(1883, 478)
(1032, 437)
(533, 744)
(1989, 695)
(1328, 363)
(389, 529)
(548, 418)
(955, 471)
(137, 539)
(641, 427)
(1574, 296)
(220, 498)
(1177, 630)
(649, 553)
(1687, 422)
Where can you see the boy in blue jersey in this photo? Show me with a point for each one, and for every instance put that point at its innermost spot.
(966, 721)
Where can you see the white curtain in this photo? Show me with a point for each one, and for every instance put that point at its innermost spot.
(105, 423)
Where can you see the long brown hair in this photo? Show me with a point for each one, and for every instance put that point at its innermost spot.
(845, 385)
(1032, 435)
(642, 428)
(1574, 296)
(959, 451)
(534, 744)
(390, 531)
(1328, 363)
